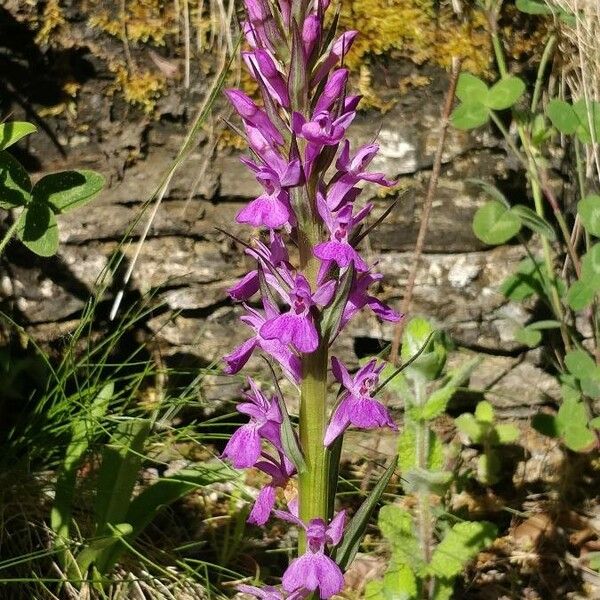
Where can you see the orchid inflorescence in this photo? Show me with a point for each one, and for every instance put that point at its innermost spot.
(303, 161)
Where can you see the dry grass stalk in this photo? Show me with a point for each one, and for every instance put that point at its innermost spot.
(581, 40)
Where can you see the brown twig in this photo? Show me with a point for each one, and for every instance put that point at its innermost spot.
(433, 184)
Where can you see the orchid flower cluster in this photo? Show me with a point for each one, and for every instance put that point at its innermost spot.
(295, 308)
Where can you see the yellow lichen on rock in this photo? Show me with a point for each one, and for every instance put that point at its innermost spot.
(417, 30)
(141, 88)
(52, 19)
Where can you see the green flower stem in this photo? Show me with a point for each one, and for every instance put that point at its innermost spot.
(424, 519)
(539, 80)
(12, 230)
(314, 482)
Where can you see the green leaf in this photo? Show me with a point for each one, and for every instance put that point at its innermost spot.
(437, 402)
(167, 490)
(505, 93)
(67, 190)
(344, 553)
(526, 282)
(590, 267)
(588, 114)
(533, 221)
(495, 224)
(507, 433)
(397, 526)
(488, 468)
(580, 295)
(121, 462)
(432, 359)
(468, 424)
(13, 131)
(470, 115)
(580, 364)
(419, 481)
(461, 544)
(38, 229)
(332, 315)
(595, 423)
(563, 116)
(490, 190)
(484, 412)
(288, 437)
(533, 7)
(99, 547)
(589, 211)
(470, 88)
(400, 583)
(83, 429)
(15, 185)
(572, 421)
(528, 336)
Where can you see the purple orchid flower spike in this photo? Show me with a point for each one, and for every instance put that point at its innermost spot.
(357, 407)
(359, 297)
(289, 362)
(297, 326)
(280, 473)
(253, 115)
(314, 570)
(244, 447)
(340, 225)
(351, 171)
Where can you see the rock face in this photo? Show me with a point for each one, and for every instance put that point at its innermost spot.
(187, 262)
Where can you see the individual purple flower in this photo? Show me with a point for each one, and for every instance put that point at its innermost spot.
(280, 473)
(351, 171)
(244, 447)
(333, 90)
(275, 348)
(359, 297)
(260, 28)
(311, 33)
(263, 68)
(253, 115)
(272, 209)
(357, 407)
(314, 570)
(324, 129)
(297, 325)
(271, 257)
(340, 225)
(338, 51)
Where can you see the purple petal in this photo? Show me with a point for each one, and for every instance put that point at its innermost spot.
(335, 531)
(243, 448)
(311, 572)
(367, 413)
(311, 32)
(333, 90)
(261, 511)
(338, 423)
(240, 356)
(245, 288)
(295, 329)
(265, 211)
(341, 373)
(341, 253)
(340, 48)
(324, 294)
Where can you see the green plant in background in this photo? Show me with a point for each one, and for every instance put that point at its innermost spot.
(481, 429)
(565, 276)
(54, 194)
(429, 548)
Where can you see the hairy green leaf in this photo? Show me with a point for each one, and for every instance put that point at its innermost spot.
(563, 116)
(533, 221)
